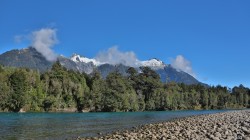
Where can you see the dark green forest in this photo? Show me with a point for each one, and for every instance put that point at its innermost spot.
(60, 89)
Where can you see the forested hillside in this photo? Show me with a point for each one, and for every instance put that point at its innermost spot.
(62, 90)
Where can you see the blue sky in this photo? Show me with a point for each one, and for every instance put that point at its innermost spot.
(213, 35)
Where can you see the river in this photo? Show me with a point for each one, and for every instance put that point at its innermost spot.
(71, 125)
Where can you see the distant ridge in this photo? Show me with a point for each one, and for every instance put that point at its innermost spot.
(32, 59)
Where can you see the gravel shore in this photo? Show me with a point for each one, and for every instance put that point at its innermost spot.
(228, 125)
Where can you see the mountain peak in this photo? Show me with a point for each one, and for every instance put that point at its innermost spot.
(78, 58)
(28, 49)
(154, 63)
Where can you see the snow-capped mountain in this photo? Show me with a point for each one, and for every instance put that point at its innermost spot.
(32, 59)
(78, 58)
(154, 63)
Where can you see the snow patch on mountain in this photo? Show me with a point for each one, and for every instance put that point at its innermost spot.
(153, 63)
(77, 58)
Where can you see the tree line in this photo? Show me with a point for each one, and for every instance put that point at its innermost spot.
(60, 89)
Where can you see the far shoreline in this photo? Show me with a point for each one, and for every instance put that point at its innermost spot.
(63, 111)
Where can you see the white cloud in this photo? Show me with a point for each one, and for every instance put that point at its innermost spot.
(18, 38)
(114, 56)
(43, 40)
(180, 63)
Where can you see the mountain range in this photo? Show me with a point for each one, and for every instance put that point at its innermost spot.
(31, 58)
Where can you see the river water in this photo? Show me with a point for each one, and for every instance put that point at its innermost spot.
(71, 125)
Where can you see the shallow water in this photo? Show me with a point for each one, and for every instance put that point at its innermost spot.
(70, 125)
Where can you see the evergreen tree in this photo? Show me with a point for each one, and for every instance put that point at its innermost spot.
(19, 88)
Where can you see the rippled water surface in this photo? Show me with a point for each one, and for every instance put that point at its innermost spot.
(70, 125)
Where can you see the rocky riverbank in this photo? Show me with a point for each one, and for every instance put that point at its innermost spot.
(228, 125)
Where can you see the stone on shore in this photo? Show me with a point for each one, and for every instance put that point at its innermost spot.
(228, 125)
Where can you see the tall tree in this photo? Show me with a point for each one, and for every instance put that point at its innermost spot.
(19, 87)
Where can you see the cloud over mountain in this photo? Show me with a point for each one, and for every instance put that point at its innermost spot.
(43, 40)
(114, 56)
(180, 63)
